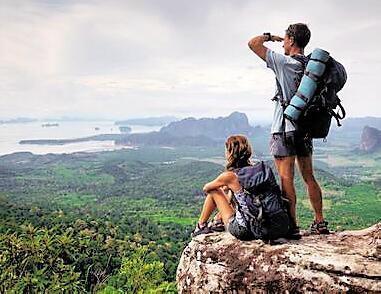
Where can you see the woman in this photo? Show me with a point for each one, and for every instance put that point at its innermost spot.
(241, 175)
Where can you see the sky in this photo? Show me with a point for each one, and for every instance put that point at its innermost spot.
(128, 59)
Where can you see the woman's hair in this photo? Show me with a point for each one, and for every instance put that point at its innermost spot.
(238, 152)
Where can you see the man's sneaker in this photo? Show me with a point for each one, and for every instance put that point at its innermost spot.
(294, 233)
(319, 228)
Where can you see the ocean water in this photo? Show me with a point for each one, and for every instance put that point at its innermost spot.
(12, 134)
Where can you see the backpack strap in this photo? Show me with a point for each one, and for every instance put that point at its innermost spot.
(303, 60)
(279, 95)
(343, 113)
(337, 115)
(312, 76)
(263, 166)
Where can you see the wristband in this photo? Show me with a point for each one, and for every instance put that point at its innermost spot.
(268, 36)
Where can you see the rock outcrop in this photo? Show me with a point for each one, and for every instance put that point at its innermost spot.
(346, 262)
(215, 128)
(370, 139)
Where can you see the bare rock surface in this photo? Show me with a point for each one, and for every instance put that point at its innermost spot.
(370, 139)
(345, 262)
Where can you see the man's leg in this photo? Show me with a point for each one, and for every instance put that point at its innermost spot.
(285, 166)
(313, 188)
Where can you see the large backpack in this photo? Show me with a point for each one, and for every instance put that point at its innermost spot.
(315, 120)
(316, 116)
(261, 205)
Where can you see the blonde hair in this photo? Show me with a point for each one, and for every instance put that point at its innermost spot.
(238, 152)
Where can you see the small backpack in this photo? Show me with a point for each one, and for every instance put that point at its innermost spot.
(315, 120)
(261, 205)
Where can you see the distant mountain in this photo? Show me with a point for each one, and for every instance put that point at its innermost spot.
(187, 132)
(358, 123)
(148, 121)
(370, 139)
(216, 128)
(349, 133)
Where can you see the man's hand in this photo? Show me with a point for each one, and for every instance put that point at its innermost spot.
(276, 38)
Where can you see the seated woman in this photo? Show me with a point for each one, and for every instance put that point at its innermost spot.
(259, 211)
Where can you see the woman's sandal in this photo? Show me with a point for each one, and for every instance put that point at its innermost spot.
(217, 226)
(201, 229)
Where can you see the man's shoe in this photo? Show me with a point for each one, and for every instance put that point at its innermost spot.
(294, 233)
(319, 228)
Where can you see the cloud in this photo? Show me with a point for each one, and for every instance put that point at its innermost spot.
(138, 58)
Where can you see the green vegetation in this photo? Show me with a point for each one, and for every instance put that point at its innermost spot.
(117, 222)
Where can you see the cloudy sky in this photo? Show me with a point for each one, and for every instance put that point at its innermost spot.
(138, 58)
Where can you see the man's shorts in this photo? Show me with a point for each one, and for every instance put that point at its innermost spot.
(290, 144)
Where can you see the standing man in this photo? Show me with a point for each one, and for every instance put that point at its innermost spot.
(287, 144)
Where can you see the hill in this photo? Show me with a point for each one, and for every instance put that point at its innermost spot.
(370, 139)
(217, 128)
(95, 220)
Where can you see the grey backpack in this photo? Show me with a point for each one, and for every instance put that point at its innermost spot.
(264, 210)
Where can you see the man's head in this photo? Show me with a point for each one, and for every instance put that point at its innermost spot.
(297, 37)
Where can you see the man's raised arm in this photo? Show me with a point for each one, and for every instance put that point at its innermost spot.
(256, 44)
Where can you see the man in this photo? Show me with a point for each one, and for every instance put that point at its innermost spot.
(287, 145)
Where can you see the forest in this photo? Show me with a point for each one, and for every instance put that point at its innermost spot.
(117, 222)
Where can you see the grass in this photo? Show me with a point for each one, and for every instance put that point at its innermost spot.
(353, 207)
(168, 194)
(81, 175)
(75, 200)
(186, 221)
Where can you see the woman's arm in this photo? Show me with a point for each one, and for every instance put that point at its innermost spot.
(224, 179)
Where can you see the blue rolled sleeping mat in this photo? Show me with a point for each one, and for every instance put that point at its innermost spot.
(314, 70)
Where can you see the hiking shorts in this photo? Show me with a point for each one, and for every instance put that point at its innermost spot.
(238, 231)
(290, 144)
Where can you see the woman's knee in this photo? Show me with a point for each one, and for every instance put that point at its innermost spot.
(218, 191)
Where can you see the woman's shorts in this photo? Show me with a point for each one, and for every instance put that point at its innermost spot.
(238, 231)
(290, 144)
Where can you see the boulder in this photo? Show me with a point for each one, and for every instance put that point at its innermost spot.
(342, 262)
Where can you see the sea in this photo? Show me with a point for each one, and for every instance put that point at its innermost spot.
(12, 133)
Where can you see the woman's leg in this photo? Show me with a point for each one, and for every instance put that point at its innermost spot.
(228, 195)
(216, 198)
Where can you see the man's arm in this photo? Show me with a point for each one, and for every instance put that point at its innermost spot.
(256, 44)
